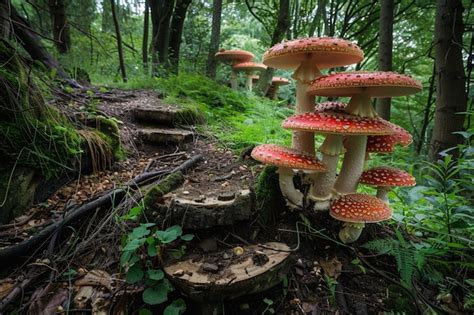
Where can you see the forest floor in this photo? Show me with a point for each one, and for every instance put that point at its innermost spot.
(325, 277)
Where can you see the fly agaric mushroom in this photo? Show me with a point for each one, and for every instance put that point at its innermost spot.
(386, 144)
(335, 125)
(287, 160)
(307, 57)
(355, 210)
(360, 86)
(274, 87)
(249, 67)
(234, 56)
(384, 178)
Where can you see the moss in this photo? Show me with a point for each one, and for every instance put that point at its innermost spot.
(168, 184)
(109, 128)
(269, 198)
(190, 115)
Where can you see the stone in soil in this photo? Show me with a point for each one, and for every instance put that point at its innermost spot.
(165, 115)
(161, 136)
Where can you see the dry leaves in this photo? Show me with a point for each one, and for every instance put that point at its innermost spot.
(332, 268)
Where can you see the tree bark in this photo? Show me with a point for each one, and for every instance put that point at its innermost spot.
(385, 51)
(176, 33)
(281, 28)
(4, 19)
(451, 96)
(211, 67)
(57, 10)
(146, 28)
(161, 13)
(119, 41)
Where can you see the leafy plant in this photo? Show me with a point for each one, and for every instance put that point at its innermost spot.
(268, 309)
(142, 257)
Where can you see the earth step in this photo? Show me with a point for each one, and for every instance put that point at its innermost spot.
(167, 115)
(166, 135)
(207, 212)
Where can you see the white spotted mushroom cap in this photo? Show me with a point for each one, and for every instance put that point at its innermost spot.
(360, 208)
(386, 144)
(372, 83)
(325, 53)
(330, 122)
(273, 154)
(384, 176)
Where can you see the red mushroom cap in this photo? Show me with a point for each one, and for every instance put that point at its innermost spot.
(373, 83)
(330, 106)
(383, 176)
(326, 52)
(338, 123)
(249, 66)
(235, 55)
(360, 208)
(285, 157)
(280, 81)
(386, 144)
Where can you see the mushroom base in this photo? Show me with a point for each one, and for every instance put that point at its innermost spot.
(351, 232)
(293, 197)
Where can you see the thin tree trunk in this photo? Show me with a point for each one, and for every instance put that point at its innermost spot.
(281, 28)
(451, 98)
(385, 51)
(146, 28)
(57, 10)
(156, 10)
(162, 40)
(4, 19)
(176, 33)
(427, 111)
(211, 67)
(119, 41)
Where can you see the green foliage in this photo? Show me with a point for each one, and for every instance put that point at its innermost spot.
(268, 194)
(142, 256)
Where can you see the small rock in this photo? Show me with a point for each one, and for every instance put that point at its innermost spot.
(185, 192)
(178, 273)
(225, 184)
(226, 196)
(210, 268)
(226, 256)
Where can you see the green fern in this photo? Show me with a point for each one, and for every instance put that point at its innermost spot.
(408, 258)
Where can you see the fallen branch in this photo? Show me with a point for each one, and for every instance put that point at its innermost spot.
(111, 198)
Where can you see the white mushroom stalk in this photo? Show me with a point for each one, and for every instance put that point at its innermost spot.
(351, 232)
(360, 105)
(322, 183)
(382, 193)
(293, 197)
(352, 166)
(233, 80)
(304, 75)
(249, 83)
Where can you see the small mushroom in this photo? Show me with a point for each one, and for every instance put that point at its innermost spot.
(234, 56)
(249, 67)
(355, 210)
(274, 87)
(287, 161)
(384, 178)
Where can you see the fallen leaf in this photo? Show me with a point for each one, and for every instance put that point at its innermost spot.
(6, 286)
(96, 278)
(332, 268)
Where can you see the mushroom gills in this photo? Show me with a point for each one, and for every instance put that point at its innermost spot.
(360, 105)
(351, 232)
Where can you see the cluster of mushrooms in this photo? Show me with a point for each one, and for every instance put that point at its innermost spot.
(242, 61)
(353, 130)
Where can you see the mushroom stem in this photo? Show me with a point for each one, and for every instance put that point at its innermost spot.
(233, 80)
(351, 232)
(306, 72)
(352, 166)
(382, 193)
(322, 183)
(249, 82)
(274, 94)
(293, 197)
(360, 105)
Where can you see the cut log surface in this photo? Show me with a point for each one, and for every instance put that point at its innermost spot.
(209, 211)
(166, 135)
(246, 275)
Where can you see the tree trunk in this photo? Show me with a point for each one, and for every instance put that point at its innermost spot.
(451, 98)
(176, 33)
(281, 28)
(161, 12)
(385, 51)
(57, 10)
(146, 28)
(119, 41)
(4, 19)
(211, 67)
